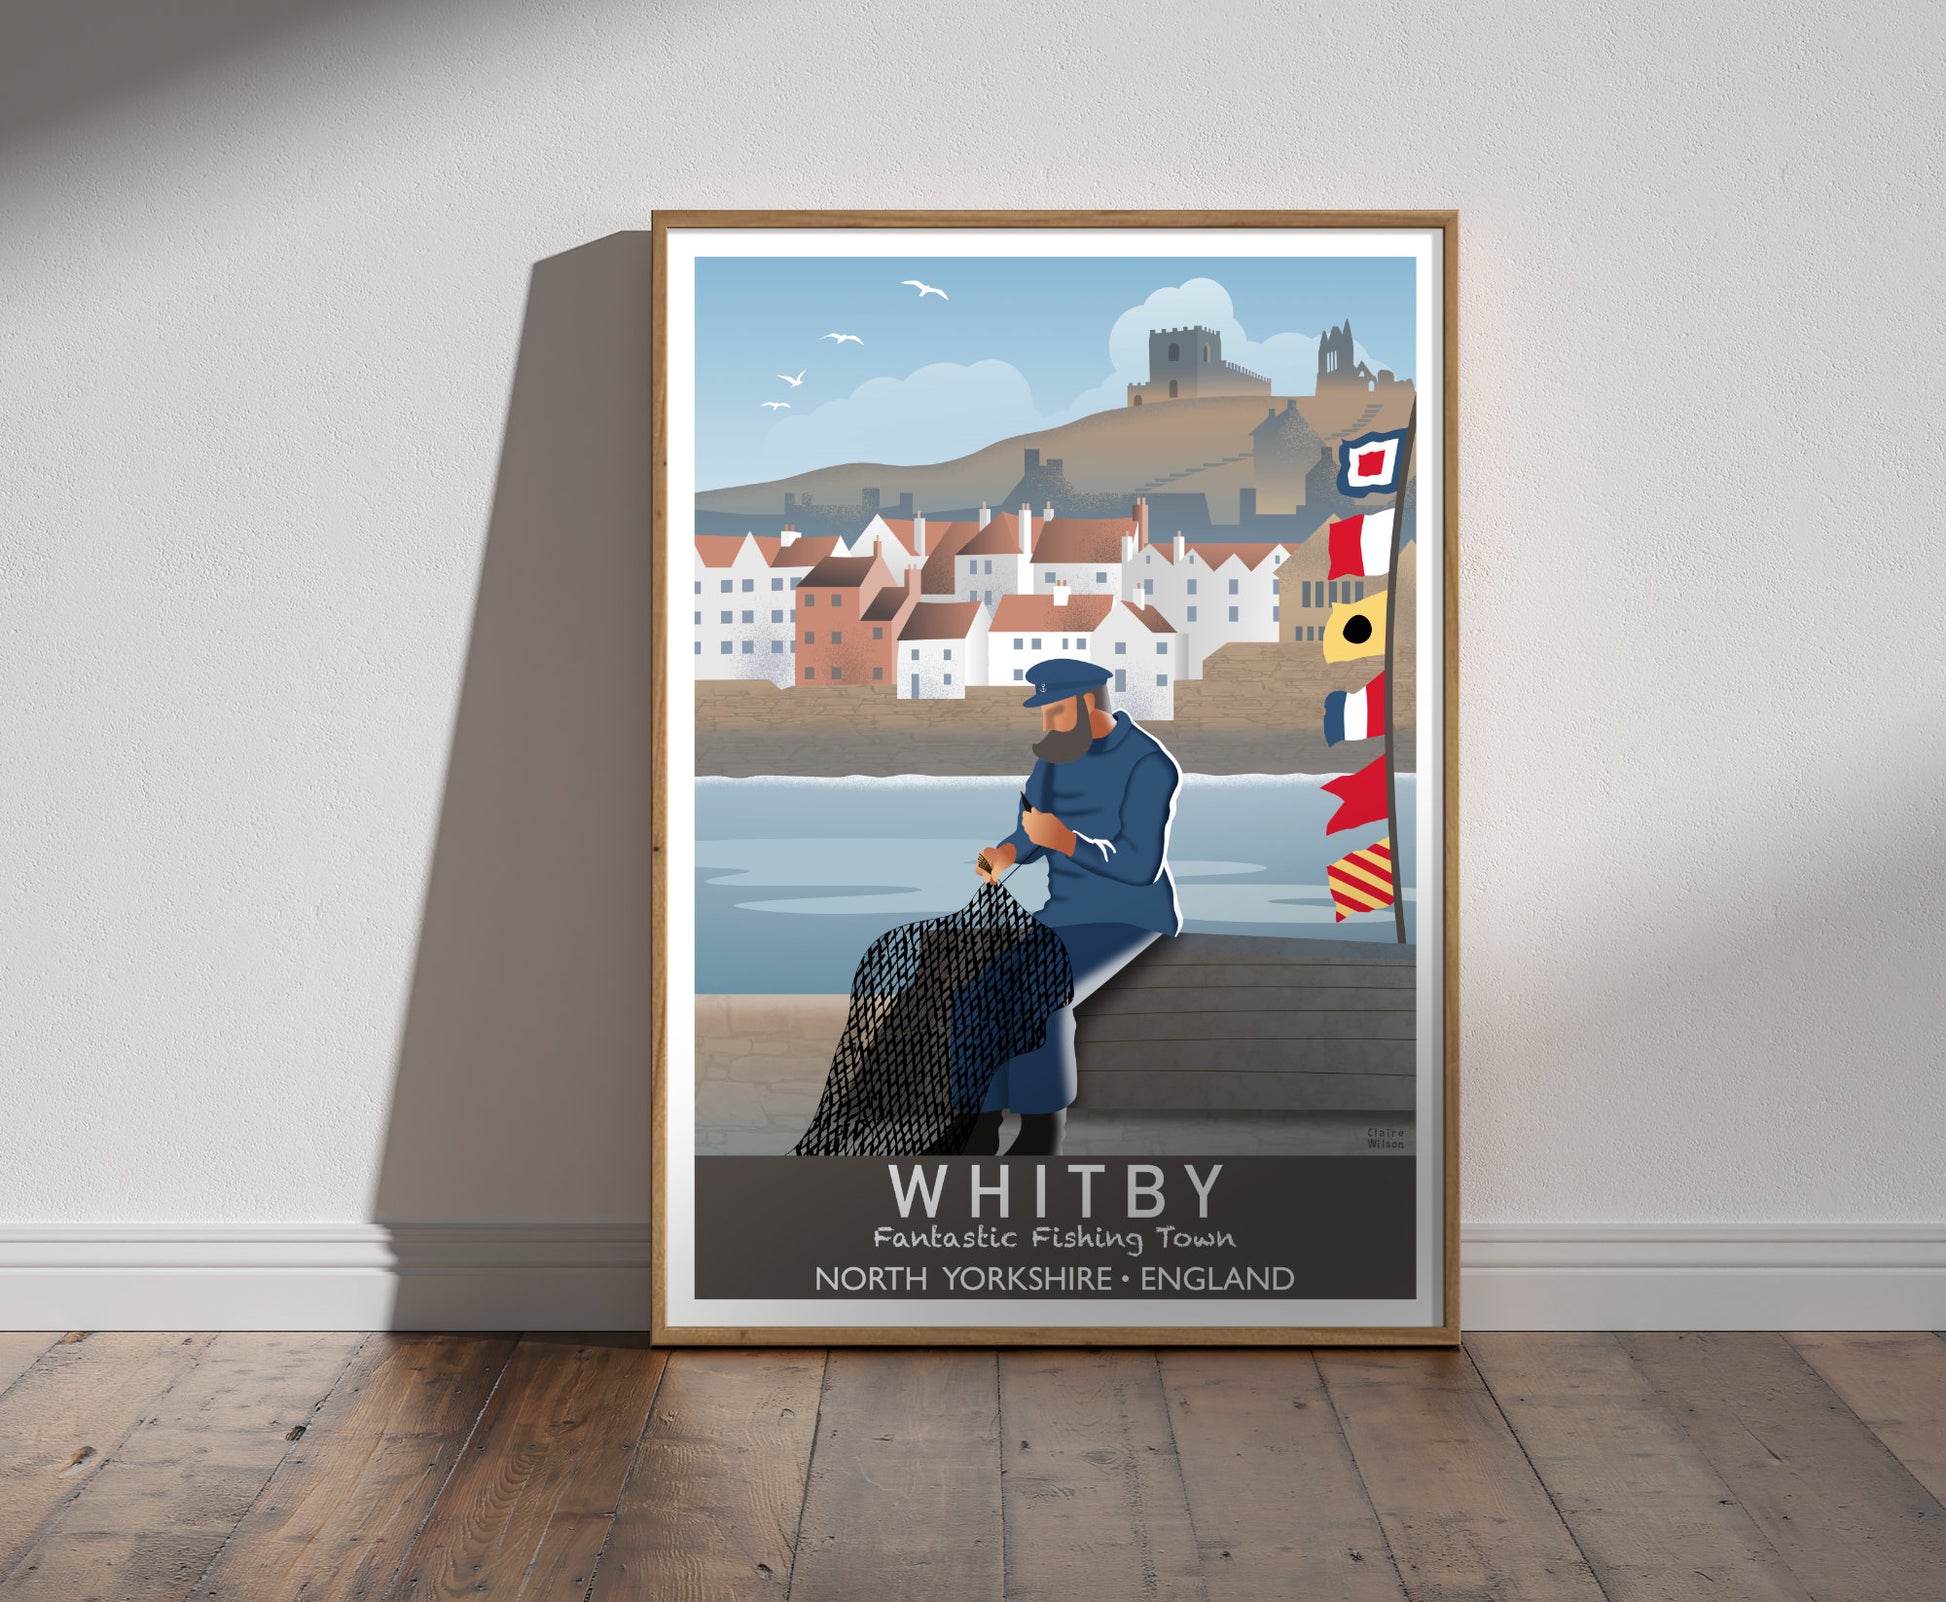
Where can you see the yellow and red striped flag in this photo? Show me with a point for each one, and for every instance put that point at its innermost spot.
(1361, 882)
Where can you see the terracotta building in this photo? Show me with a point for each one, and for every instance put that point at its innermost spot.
(849, 613)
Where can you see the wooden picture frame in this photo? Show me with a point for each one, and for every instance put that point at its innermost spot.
(1429, 239)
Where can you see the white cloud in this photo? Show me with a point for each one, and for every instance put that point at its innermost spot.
(933, 415)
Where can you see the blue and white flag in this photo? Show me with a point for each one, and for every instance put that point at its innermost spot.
(1371, 464)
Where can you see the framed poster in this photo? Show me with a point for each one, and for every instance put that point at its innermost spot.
(1055, 733)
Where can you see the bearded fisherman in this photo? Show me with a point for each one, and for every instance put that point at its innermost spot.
(1097, 809)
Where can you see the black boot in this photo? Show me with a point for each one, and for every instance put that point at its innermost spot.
(1040, 1134)
(984, 1141)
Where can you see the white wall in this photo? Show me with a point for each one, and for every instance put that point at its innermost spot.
(323, 691)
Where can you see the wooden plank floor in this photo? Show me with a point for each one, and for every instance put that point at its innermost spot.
(265, 1467)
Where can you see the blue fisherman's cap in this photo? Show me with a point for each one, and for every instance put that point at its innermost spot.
(1061, 677)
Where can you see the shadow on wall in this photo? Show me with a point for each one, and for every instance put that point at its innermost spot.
(522, 1090)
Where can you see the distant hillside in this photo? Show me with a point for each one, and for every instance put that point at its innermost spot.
(1170, 447)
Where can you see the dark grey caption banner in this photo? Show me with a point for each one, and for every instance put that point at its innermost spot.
(1120, 1228)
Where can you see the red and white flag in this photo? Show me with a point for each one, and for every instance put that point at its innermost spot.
(1361, 546)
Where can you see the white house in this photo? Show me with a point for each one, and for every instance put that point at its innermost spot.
(1145, 653)
(942, 649)
(997, 561)
(745, 606)
(1215, 594)
(1029, 628)
(900, 542)
(1088, 554)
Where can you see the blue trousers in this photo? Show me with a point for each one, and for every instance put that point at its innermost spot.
(1044, 1081)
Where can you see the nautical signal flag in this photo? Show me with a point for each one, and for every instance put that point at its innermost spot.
(1361, 796)
(1355, 629)
(1355, 714)
(1361, 882)
(1372, 463)
(1361, 546)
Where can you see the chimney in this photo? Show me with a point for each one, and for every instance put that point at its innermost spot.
(1290, 405)
(1142, 522)
(1128, 547)
(986, 514)
(1048, 515)
(1182, 547)
(1270, 414)
(914, 576)
(788, 537)
(1061, 592)
(919, 534)
(1026, 531)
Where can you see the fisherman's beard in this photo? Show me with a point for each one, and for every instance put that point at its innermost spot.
(1064, 745)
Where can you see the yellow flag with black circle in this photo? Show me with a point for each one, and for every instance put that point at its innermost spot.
(1355, 629)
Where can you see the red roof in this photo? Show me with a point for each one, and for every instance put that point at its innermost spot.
(1082, 539)
(807, 550)
(1081, 615)
(720, 550)
(1251, 555)
(841, 572)
(1001, 537)
(944, 541)
(940, 620)
(1151, 617)
(885, 605)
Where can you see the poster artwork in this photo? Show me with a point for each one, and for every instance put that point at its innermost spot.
(1049, 898)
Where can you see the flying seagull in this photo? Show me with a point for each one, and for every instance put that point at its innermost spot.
(925, 289)
(794, 382)
(778, 406)
(841, 338)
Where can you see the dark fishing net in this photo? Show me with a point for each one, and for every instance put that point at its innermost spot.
(936, 1008)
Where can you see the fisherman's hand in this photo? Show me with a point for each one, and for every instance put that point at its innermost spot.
(1046, 830)
(994, 861)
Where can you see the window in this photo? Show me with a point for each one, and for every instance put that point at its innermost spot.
(1233, 614)
(1161, 647)
(1306, 598)
(808, 672)
(725, 617)
(1276, 586)
(989, 566)
(749, 617)
(1361, 591)
(1233, 586)
(726, 648)
(777, 616)
(699, 617)
(1101, 578)
(915, 653)
(776, 647)
(1148, 588)
(796, 580)
(837, 673)
(1121, 647)
(989, 597)
(810, 638)
(1334, 590)
(972, 595)
(949, 678)
(1037, 642)
(749, 646)
(1175, 355)
(776, 584)
(1206, 353)
(949, 657)
(1192, 586)
(1172, 383)
(1276, 613)
(1162, 681)
(1018, 643)
(1192, 614)
(1049, 577)
(699, 586)
(699, 647)
(1019, 673)
(838, 638)
(878, 673)
(1064, 642)
(727, 586)
(837, 600)
(878, 632)
(809, 600)
(749, 585)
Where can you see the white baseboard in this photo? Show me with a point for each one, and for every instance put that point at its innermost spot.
(332, 1276)
(596, 1276)
(1703, 1276)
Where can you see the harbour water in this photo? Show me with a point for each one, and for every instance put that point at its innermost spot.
(795, 877)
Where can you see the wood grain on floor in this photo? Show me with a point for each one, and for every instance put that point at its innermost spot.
(266, 1467)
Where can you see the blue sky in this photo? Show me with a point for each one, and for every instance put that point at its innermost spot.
(1021, 343)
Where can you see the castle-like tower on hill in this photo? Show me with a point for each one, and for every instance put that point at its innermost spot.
(1185, 363)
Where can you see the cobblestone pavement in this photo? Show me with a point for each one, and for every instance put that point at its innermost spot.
(761, 1062)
